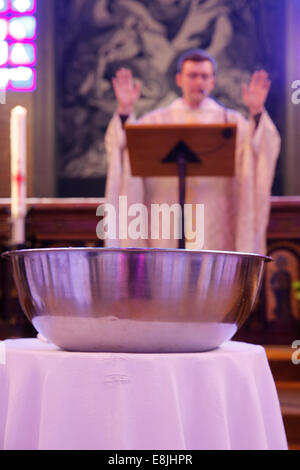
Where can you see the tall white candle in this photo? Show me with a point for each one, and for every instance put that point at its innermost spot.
(18, 173)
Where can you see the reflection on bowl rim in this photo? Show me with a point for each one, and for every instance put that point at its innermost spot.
(8, 254)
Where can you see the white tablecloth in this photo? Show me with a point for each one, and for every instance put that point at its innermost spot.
(53, 399)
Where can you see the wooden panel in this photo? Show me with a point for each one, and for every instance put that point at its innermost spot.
(285, 218)
(4, 224)
(45, 216)
(55, 220)
(63, 222)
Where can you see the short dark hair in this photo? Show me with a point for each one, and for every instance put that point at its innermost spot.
(196, 55)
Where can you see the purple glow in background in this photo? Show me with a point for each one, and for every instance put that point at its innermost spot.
(18, 31)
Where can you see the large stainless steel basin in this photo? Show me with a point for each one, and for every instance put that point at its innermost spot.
(136, 300)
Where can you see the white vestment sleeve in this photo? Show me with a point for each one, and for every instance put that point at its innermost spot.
(119, 181)
(257, 154)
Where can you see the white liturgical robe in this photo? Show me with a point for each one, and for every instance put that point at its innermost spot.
(236, 209)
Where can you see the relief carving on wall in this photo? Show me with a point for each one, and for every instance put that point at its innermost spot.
(96, 37)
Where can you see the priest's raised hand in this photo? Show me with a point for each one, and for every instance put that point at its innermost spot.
(127, 91)
(255, 94)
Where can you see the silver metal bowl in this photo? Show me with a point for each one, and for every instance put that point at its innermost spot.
(136, 300)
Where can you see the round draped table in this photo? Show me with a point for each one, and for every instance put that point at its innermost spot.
(53, 399)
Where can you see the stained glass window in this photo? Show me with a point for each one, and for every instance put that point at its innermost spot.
(18, 29)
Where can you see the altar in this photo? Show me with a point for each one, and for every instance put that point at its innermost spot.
(53, 399)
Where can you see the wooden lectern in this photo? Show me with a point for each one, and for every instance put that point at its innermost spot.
(180, 150)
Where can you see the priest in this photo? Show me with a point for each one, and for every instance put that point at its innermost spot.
(236, 209)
